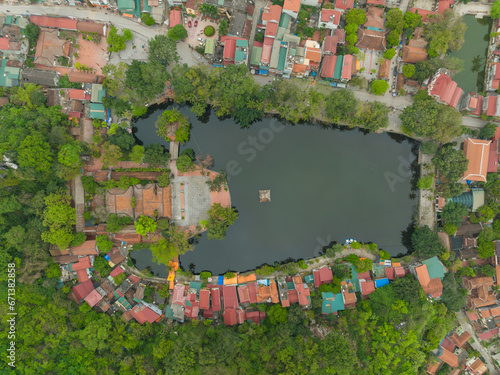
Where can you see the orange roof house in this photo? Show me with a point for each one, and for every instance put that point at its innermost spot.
(448, 357)
(271, 14)
(476, 366)
(54, 22)
(481, 293)
(477, 153)
(291, 7)
(432, 287)
(50, 47)
(460, 340)
(444, 89)
(416, 50)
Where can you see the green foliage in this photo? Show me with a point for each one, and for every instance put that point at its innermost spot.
(101, 265)
(114, 223)
(205, 275)
(103, 243)
(163, 251)
(357, 16)
(111, 154)
(184, 163)
(485, 244)
(429, 147)
(408, 70)
(277, 314)
(390, 53)
(53, 271)
(60, 218)
(340, 105)
(147, 19)
(145, 225)
(302, 264)
(177, 33)
(393, 38)
(137, 154)
(425, 69)
(229, 275)
(210, 10)
(209, 30)
(395, 20)
(78, 239)
(223, 27)
(164, 179)
(450, 229)
(124, 183)
(379, 86)
(179, 239)
(495, 10)
(334, 250)
(155, 155)
(220, 218)
(120, 279)
(412, 20)
(259, 37)
(218, 182)
(384, 255)
(488, 270)
(425, 242)
(450, 163)
(265, 270)
(425, 182)
(32, 32)
(445, 34)
(483, 215)
(163, 50)
(117, 42)
(488, 131)
(454, 213)
(122, 139)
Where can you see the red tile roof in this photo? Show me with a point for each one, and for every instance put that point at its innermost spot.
(272, 14)
(424, 13)
(364, 275)
(267, 49)
(193, 310)
(117, 271)
(215, 299)
(485, 313)
(399, 271)
(244, 294)
(82, 275)
(143, 314)
(367, 287)
(293, 296)
(253, 315)
(240, 316)
(271, 29)
(313, 54)
(449, 358)
(444, 4)
(229, 50)
(78, 94)
(293, 5)
(4, 43)
(230, 317)
(344, 4)
(447, 344)
(179, 297)
(93, 298)
(82, 290)
(460, 340)
(326, 14)
(488, 335)
(492, 105)
(478, 367)
(472, 316)
(230, 298)
(446, 90)
(325, 275)
(347, 67)
(477, 152)
(389, 271)
(252, 289)
(330, 44)
(422, 275)
(376, 2)
(479, 107)
(175, 18)
(55, 22)
(83, 264)
(204, 299)
(134, 279)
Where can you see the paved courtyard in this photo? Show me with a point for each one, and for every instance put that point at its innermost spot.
(196, 200)
(197, 32)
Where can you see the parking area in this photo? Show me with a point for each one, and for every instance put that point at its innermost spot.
(195, 32)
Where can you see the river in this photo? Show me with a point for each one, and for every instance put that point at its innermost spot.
(327, 184)
(473, 52)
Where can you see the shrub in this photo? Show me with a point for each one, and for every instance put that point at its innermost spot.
(209, 31)
(120, 278)
(147, 19)
(103, 243)
(229, 275)
(384, 255)
(356, 245)
(302, 264)
(205, 275)
(87, 215)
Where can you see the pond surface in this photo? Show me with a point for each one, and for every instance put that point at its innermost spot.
(143, 259)
(473, 52)
(326, 185)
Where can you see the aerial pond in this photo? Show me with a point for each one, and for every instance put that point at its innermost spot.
(327, 184)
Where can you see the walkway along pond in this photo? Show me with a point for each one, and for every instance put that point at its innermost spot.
(326, 184)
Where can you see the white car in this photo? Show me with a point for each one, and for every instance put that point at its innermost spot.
(200, 39)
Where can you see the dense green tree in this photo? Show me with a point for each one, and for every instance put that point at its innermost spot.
(29, 95)
(259, 37)
(78, 239)
(357, 16)
(395, 20)
(408, 70)
(147, 19)
(223, 27)
(177, 33)
(101, 265)
(170, 120)
(446, 33)
(220, 218)
(59, 217)
(488, 270)
(117, 42)
(450, 163)
(32, 31)
(122, 139)
(53, 271)
(483, 215)
(454, 213)
(425, 242)
(427, 68)
(372, 115)
(277, 314)
(115, 223)
(393, 38)
(179, 239)
(137, 154)
(453, 296)
(495, 10)
(488, 131)
(379, 86)
(163, 251)
(485, 244)
(35, 153)
(412, 20)
(111, 154)
(163, 50)
(164, 179)
(104, 244)
(69, 155)
(340, 104)
(390, 53)
(155, 155)
(429, 147)
(184, 163)
(145, 225)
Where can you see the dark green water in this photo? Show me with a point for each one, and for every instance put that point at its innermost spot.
(326, 185)
(473, 52)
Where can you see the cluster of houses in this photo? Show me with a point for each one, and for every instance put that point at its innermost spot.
(67, 48)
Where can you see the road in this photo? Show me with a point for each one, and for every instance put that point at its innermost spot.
(187, 56)
(462, 319)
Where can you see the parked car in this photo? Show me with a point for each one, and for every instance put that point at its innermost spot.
(189, 23)
(195, 23)
(200, 39)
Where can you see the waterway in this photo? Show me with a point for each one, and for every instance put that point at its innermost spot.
(327, 184)
(473, 52)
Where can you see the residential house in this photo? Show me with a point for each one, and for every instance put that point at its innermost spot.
(328, 67)
(480, 290)
(459, 337)
(416, 50)
(81, 268)
(93, 298)
(473, 103)
(230, 318)
(448, 357)
(366, 287)
(174, 18)
(312, 55)
(230, 297)
(494, 156)
(303, 292)
(204, 299)
(82, 290)
(62, 23)
(332, 303)
(322, 276)
(347, 66)
(329, 46)
(271, 14)
(145, 312)
(493, 81)
(372, 35)
(47, 78)
(477, 153)
(209, 49)
(384, 69)
(291, 7)
(348, 295)
(444, 89)
(329, 19)
(9, 75)
(476, 366)
(432, 287)
(376, 2)
(344, 5)
(490, 105)
(87, 248)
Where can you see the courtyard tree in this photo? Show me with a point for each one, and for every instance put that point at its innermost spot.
(103, 243)
(163, 50)
(425, 242)
(164, 179)
(145, 225)
(177, 33)
(390, 53)
(179, 239)
(111, 154)
(116, 41)
(408, 70)
(412, 20)
(163, 251)
(454, 213)
(155, 155)
(147, 19)
(485, 244)
(356, 15)
(137, 154)
(379, 87)
(220, 218)
(393, 38)
(115, 223)
(488, 131)
(32, 31)
(395, 20)
(184, 163)
(450, 163)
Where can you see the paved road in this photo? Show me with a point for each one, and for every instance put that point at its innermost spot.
(462, 319)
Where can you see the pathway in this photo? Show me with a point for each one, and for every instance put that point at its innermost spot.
(426, 212)
(485, 353)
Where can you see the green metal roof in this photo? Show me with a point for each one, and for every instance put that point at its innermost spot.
(241, 43)
(435, 268)
(195, 285)
(256, 56)
(124, 5)
(9, 20)
(290, 285)
(284, 20)
(209, 47)
(309, 279)
(97, 111)
(337, 73)
(9, 76)
(220, 2)
(147, 8)
(239, 56)
(282, 59)
(465, 198)
(332, 302)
